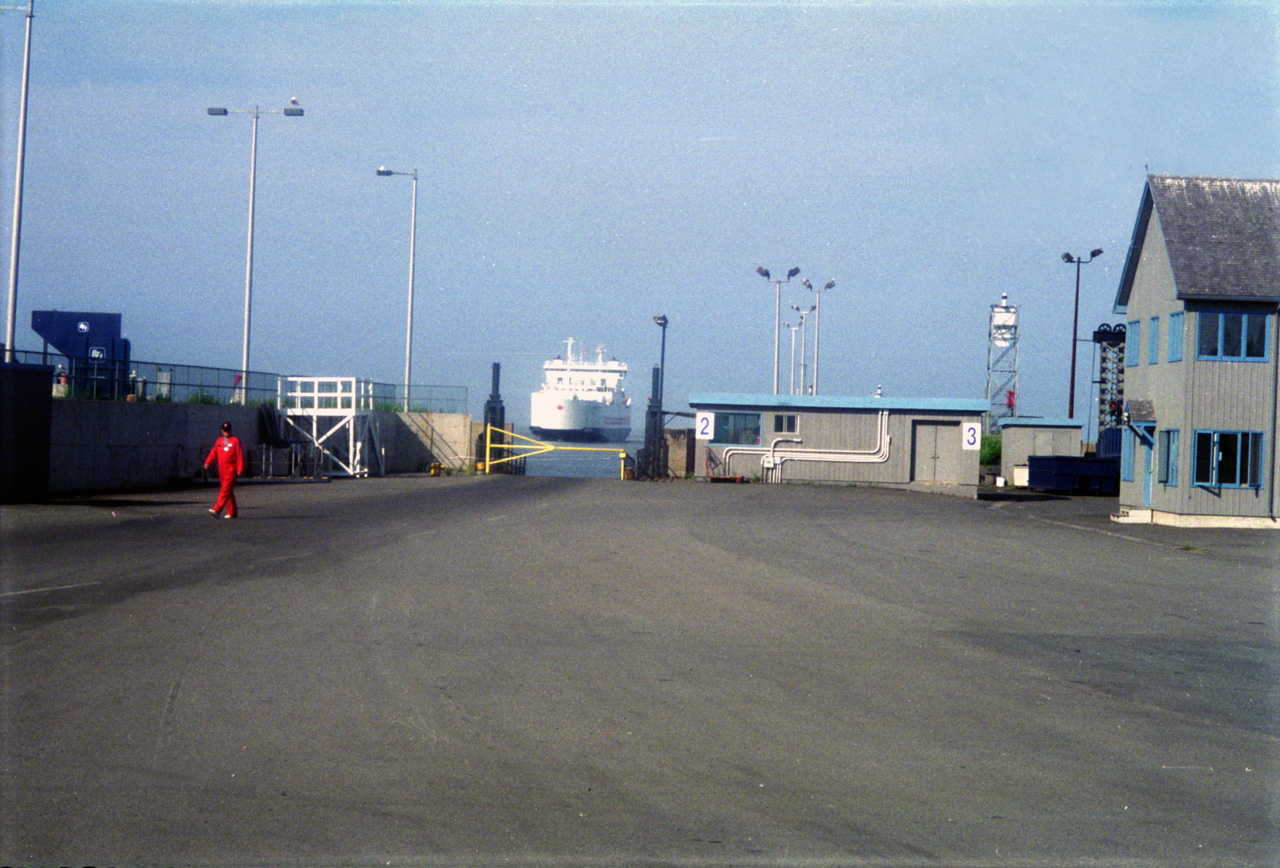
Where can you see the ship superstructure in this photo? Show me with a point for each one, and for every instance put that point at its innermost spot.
(582, 400)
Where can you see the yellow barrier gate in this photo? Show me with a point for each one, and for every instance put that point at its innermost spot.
(537, 447)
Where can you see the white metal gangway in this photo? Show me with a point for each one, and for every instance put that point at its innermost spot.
(337, 415)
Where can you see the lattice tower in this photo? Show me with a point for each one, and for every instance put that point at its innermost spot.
(1002, 363)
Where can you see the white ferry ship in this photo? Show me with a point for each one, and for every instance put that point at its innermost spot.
(582, 400)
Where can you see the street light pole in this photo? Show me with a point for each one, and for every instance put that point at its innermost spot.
(817, 323)
(12, 316)
(654, 464)
(662, 321)
(792, 328)
(291, 111)
(804, 372)
(383, 171)
(777, 313)
(1075, 324)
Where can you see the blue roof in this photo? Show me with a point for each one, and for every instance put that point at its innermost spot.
(834, 402)
(1035, 422)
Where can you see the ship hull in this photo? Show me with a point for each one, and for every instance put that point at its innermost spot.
(582, 435)
(556, 416)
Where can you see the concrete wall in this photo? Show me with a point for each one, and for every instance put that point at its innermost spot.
(108, 444)
(24, 432)
(680, 451)
(97, 445)
(414, 441)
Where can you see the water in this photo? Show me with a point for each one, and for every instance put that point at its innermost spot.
(602, 465)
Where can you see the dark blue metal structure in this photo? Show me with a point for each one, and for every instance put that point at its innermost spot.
(96, 353)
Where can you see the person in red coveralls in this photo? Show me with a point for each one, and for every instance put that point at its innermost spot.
(230, 460)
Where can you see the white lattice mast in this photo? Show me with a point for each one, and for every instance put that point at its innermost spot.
(1002, 363)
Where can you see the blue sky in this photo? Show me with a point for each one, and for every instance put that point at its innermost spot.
(586, 166)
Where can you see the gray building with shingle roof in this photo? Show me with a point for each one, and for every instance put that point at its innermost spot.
(1200, 292)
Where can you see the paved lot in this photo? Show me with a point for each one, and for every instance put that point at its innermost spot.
(472, 671)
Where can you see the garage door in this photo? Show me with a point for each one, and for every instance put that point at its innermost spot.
(935, 452)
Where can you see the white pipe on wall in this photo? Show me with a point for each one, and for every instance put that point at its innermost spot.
(771, 461)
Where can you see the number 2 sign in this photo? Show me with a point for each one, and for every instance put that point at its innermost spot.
(705, 425)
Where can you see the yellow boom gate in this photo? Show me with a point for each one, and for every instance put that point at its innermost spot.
(536, 447)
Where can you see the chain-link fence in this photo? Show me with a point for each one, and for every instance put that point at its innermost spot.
(114, 380)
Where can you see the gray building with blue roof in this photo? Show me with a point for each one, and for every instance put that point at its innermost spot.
(928, 444)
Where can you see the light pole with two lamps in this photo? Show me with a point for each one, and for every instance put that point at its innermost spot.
(817, 322)
(777, 312)
(792, 328)
(384, 172)
(1075, 323)
(803, 314)
(291, 111)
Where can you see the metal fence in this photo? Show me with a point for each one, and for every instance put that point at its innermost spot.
(113, 380)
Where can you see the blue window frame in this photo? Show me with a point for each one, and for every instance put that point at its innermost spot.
(1132, 334)
(1175, 337)
(1126, 455)
(1228, 459)
(1153, 341)
(1229, 336)
(1167, 470)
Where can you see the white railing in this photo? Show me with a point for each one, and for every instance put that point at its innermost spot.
(336, 414)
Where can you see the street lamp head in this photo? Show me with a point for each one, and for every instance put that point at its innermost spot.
(218, 112)
(762, 271)
(1066, 257)
(661, 320)
(830, 284)
(806, 284)
(793, 272)
(1094, 254)
(384, 171)
(293, 112)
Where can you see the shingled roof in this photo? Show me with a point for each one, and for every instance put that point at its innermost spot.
(1222, 234)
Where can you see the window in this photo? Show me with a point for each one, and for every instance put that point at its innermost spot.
(1232, 336)
(1167, 472)
(1131, 337)
(784, 423)
(742, 428)
(1175, 337)
(1228, 459)
(1153, 341)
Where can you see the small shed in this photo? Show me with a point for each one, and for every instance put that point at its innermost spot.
(1024, 436)
(919, 443)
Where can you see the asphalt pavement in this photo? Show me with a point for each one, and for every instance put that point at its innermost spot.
(561, 672)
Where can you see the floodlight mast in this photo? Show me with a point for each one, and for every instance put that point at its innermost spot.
(817, 323)
(292, 111)
(777, 312)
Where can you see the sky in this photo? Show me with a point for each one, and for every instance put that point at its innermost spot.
(584, 167)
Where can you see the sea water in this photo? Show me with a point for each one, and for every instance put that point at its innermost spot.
(566, 462)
